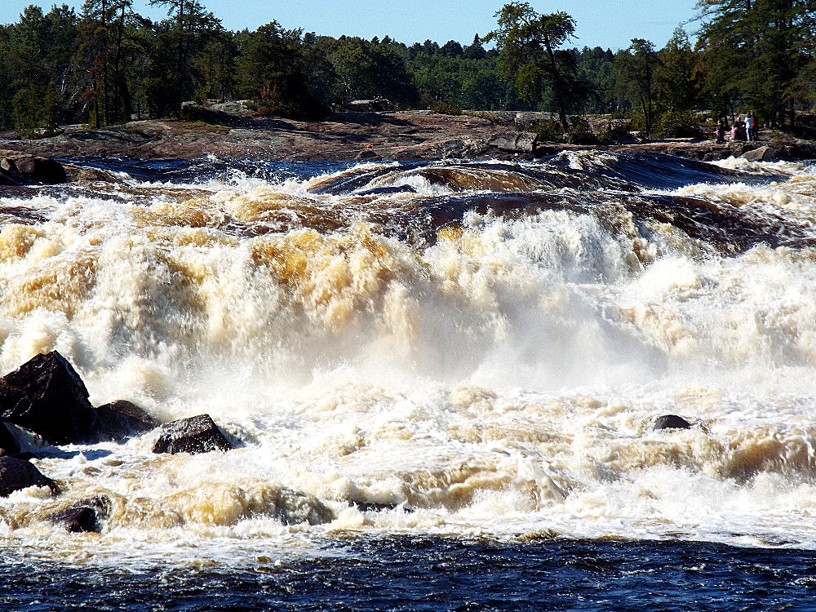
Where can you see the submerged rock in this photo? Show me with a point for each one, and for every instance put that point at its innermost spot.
(17, 474)
(198, 434)
(46, 396)
(671, 421)
(85, 516)
(296, 507)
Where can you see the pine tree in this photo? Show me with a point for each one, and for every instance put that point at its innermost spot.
(755, 51)
(530, 54)
(635, 70)
(188, 30)
(103, 40)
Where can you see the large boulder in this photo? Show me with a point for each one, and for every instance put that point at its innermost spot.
(85, 516)
(762, 154)
(514, 142)
(198, 434)
(21, 169)
(46, 395)
(17, 474)
(120, 420)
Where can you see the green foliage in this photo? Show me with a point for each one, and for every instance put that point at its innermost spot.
(28, 113)
(365, 70)
(806, 126)
(109, 63)
(580, 133)
(678, 124)
(635, 79)
(461, 81)
(754, 54)
(272, 72)
(676, 80)
(6, 88)
(215, 67)
(615, 130)
(548, 131)
(530, 43)
(595, 68)
(445, 108)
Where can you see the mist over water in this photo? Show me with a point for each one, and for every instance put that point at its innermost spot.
(480, 347)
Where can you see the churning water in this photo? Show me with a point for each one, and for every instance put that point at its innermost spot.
(443, 376)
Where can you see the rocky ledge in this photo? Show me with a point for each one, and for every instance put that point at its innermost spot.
(409, 135)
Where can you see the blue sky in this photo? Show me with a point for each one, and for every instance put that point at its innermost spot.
(606, 23)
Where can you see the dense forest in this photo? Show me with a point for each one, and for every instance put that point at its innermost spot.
(107, 64)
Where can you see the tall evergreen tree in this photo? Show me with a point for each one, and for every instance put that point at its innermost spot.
(102, 32)
(676, 75)
(756, 51)
(635, 72)
(530, 54)
(37, 62)
(189, 28)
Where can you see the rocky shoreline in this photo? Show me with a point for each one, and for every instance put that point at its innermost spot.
(399, 136)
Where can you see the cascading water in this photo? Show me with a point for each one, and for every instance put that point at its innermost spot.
(481, 348)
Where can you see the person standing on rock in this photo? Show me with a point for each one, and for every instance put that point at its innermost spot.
(720, 132)
(749, 126)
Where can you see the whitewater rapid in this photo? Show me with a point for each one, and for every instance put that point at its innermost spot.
(479, 349)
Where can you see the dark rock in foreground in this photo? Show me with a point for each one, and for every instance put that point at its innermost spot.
(8, 443)
(671, 421)
(119, 420)
(46, 395)
(17, 474)
(85, 516)
(21, 169)
(198, 434)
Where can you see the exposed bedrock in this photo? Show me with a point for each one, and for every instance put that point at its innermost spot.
(21, 169)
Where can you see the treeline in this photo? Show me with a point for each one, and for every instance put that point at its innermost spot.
(108, 64)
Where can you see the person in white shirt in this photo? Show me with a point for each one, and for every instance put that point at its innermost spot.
(749, 126)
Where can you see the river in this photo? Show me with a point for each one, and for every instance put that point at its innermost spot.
(442, 378)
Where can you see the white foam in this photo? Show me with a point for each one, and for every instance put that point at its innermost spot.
(502, 381)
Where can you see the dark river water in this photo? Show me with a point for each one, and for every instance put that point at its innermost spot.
(409, 573)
